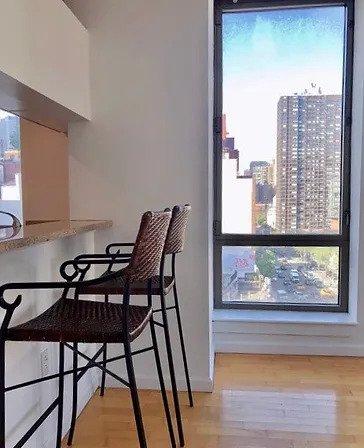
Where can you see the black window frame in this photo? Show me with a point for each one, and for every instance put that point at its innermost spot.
(341, 240)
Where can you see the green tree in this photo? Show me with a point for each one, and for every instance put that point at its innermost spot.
(266, 260)
(322, 255)
(261, 219)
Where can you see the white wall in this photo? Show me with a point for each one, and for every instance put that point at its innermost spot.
(45, 47)
(39, 263)
(147, 145)
(252, 332)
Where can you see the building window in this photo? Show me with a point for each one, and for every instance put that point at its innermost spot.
(283, 76)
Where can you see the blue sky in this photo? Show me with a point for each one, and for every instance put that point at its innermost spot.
(4, 114)
(267, 54)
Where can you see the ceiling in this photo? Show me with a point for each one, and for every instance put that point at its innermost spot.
(72, 4)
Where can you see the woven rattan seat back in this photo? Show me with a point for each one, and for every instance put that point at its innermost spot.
(177, 229)
(148, 249)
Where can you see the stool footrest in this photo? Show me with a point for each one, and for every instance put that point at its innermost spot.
(159, 310)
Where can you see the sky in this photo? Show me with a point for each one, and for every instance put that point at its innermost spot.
(4, 114)
(269, 54)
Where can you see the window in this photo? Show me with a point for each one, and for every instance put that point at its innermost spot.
(10, 169)
(283, 75)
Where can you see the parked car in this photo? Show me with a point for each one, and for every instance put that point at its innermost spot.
(309, 278)
(281, 293)
(294, 276)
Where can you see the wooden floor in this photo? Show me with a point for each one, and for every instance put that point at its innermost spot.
(258, 402)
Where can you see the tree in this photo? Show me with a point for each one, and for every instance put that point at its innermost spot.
(261, 219)
(325, 256)
(266, 260)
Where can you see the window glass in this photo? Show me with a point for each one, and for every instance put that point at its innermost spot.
(281, 275)
(282, 120)
(10, 167)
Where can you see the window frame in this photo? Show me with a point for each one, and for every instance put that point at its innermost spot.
(341, 240)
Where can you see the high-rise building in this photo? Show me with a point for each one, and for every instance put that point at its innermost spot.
(264, 193)
(308, 162)
(259, 169)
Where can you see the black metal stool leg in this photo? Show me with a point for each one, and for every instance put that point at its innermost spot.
(171, 369)
(134, 395)
(60, 395)
(183, 348)
(74, 395)
(104, 358)
(2, 394)
(162, 385)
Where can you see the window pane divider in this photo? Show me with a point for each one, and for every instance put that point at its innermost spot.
(281, 240)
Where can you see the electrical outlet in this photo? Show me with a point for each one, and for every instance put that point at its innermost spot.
(44, 362)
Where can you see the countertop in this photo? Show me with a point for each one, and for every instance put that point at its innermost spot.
(43, 231)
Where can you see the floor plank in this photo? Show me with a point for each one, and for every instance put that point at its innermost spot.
(258, 402)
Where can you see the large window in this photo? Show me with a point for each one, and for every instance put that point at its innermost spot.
(283, 72)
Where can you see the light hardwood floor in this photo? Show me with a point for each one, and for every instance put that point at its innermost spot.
(258, 402)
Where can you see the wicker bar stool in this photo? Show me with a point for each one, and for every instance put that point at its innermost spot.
(174, 245)
(161, 285)
(71, 321)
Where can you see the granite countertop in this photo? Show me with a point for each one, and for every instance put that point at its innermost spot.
(43, 231)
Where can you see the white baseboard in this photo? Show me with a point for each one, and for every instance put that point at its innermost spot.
(151, 383)
(280, 348)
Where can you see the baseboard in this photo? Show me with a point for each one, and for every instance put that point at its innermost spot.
(151, 383)
(271, 348)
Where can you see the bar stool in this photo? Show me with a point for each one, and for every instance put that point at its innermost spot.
(161, 286)
(174, 245)
(71, 320)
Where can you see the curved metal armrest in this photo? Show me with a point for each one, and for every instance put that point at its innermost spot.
(56, 285)
(15, 224)
(87, 263)
(112, 245)
(116, 255)
(94, 261)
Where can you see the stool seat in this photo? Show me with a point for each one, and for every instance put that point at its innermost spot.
(116, 286)
(70, 320)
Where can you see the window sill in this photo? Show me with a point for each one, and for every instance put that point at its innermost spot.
(284, 317)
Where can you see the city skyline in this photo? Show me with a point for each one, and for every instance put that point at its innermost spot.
(296, 192)
(269, 54)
